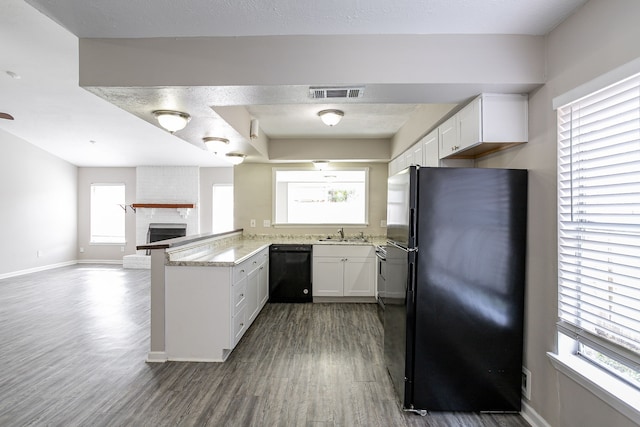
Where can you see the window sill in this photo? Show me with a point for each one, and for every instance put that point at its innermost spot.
(616, 393)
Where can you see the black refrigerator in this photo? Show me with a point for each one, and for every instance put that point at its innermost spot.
(454, 297)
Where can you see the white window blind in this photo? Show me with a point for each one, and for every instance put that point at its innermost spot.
(599, 226)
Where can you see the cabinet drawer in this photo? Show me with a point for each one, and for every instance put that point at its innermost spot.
(239, 294)
(239, 325)
(239, 272)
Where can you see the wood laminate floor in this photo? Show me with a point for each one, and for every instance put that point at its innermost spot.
(74, 340)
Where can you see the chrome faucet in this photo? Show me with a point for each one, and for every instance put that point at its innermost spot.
(341, 232)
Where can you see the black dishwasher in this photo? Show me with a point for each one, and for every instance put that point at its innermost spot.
(290, 273)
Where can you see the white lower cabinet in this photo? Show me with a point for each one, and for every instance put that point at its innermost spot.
(208, 309)
(343, 271)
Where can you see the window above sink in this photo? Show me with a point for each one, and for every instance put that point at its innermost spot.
(320, 197)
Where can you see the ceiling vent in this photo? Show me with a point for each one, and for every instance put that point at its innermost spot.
(335, 92)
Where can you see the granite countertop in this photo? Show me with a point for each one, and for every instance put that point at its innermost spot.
(239, 250)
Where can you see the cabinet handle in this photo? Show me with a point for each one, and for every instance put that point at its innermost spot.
(241, 295)
(241, 271)
(241, 325)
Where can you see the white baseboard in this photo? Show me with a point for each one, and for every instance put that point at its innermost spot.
(156, 357)
(532, 417)
(100, 261)
(37, 269)
(58, 265)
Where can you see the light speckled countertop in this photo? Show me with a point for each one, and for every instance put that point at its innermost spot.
(235, 251)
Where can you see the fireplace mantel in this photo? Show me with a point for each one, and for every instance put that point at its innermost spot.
(164, 205)
(183, 208)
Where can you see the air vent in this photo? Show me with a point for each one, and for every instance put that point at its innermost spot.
(335, 92)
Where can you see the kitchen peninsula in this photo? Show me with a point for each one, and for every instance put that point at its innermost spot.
(206, 290)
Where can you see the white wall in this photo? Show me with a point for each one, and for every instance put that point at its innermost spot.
(601, 36)
(39, 197)
(104, 252)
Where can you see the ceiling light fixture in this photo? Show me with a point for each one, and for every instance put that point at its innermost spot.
(172, 121)
(235, 158)
(320, 164)
(331, 117)
(216, 144)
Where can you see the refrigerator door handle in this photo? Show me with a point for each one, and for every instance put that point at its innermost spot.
(412, 227)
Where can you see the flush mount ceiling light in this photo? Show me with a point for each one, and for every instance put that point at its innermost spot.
(172, 121)
(216, 145)
(235, 158)
(320, 164)
(331, 117)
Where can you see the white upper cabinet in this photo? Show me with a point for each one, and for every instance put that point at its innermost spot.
(430, 149)
(449, 140)
(489, 123)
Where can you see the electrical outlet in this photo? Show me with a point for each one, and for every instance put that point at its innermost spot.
(81, 250)
(526, 383)
(39, 254)
(252, 223)
(383, 223)
(121, 248)
(266, 223)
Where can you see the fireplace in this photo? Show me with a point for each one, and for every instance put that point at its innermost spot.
(163, 231)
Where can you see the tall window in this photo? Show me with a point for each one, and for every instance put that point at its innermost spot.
(222, 208)
(599, 227)
(320, 196)
(107, 213)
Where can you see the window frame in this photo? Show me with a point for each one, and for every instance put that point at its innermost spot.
(274, 199)
(213, 207)
(114, 242)
(620, 393)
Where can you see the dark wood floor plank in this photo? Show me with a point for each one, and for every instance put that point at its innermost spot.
(74, 341)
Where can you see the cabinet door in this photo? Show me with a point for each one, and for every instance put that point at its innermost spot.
(430, 150)
(359, 277)
(448, 137)
(252, 294)
(263, 284)
(417, 154)
(327, 277)
(470, 124)
(408, 158)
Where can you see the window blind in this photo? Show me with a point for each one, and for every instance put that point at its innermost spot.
(599, 221)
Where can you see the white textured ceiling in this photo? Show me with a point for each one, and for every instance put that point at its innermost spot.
(52, 112)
